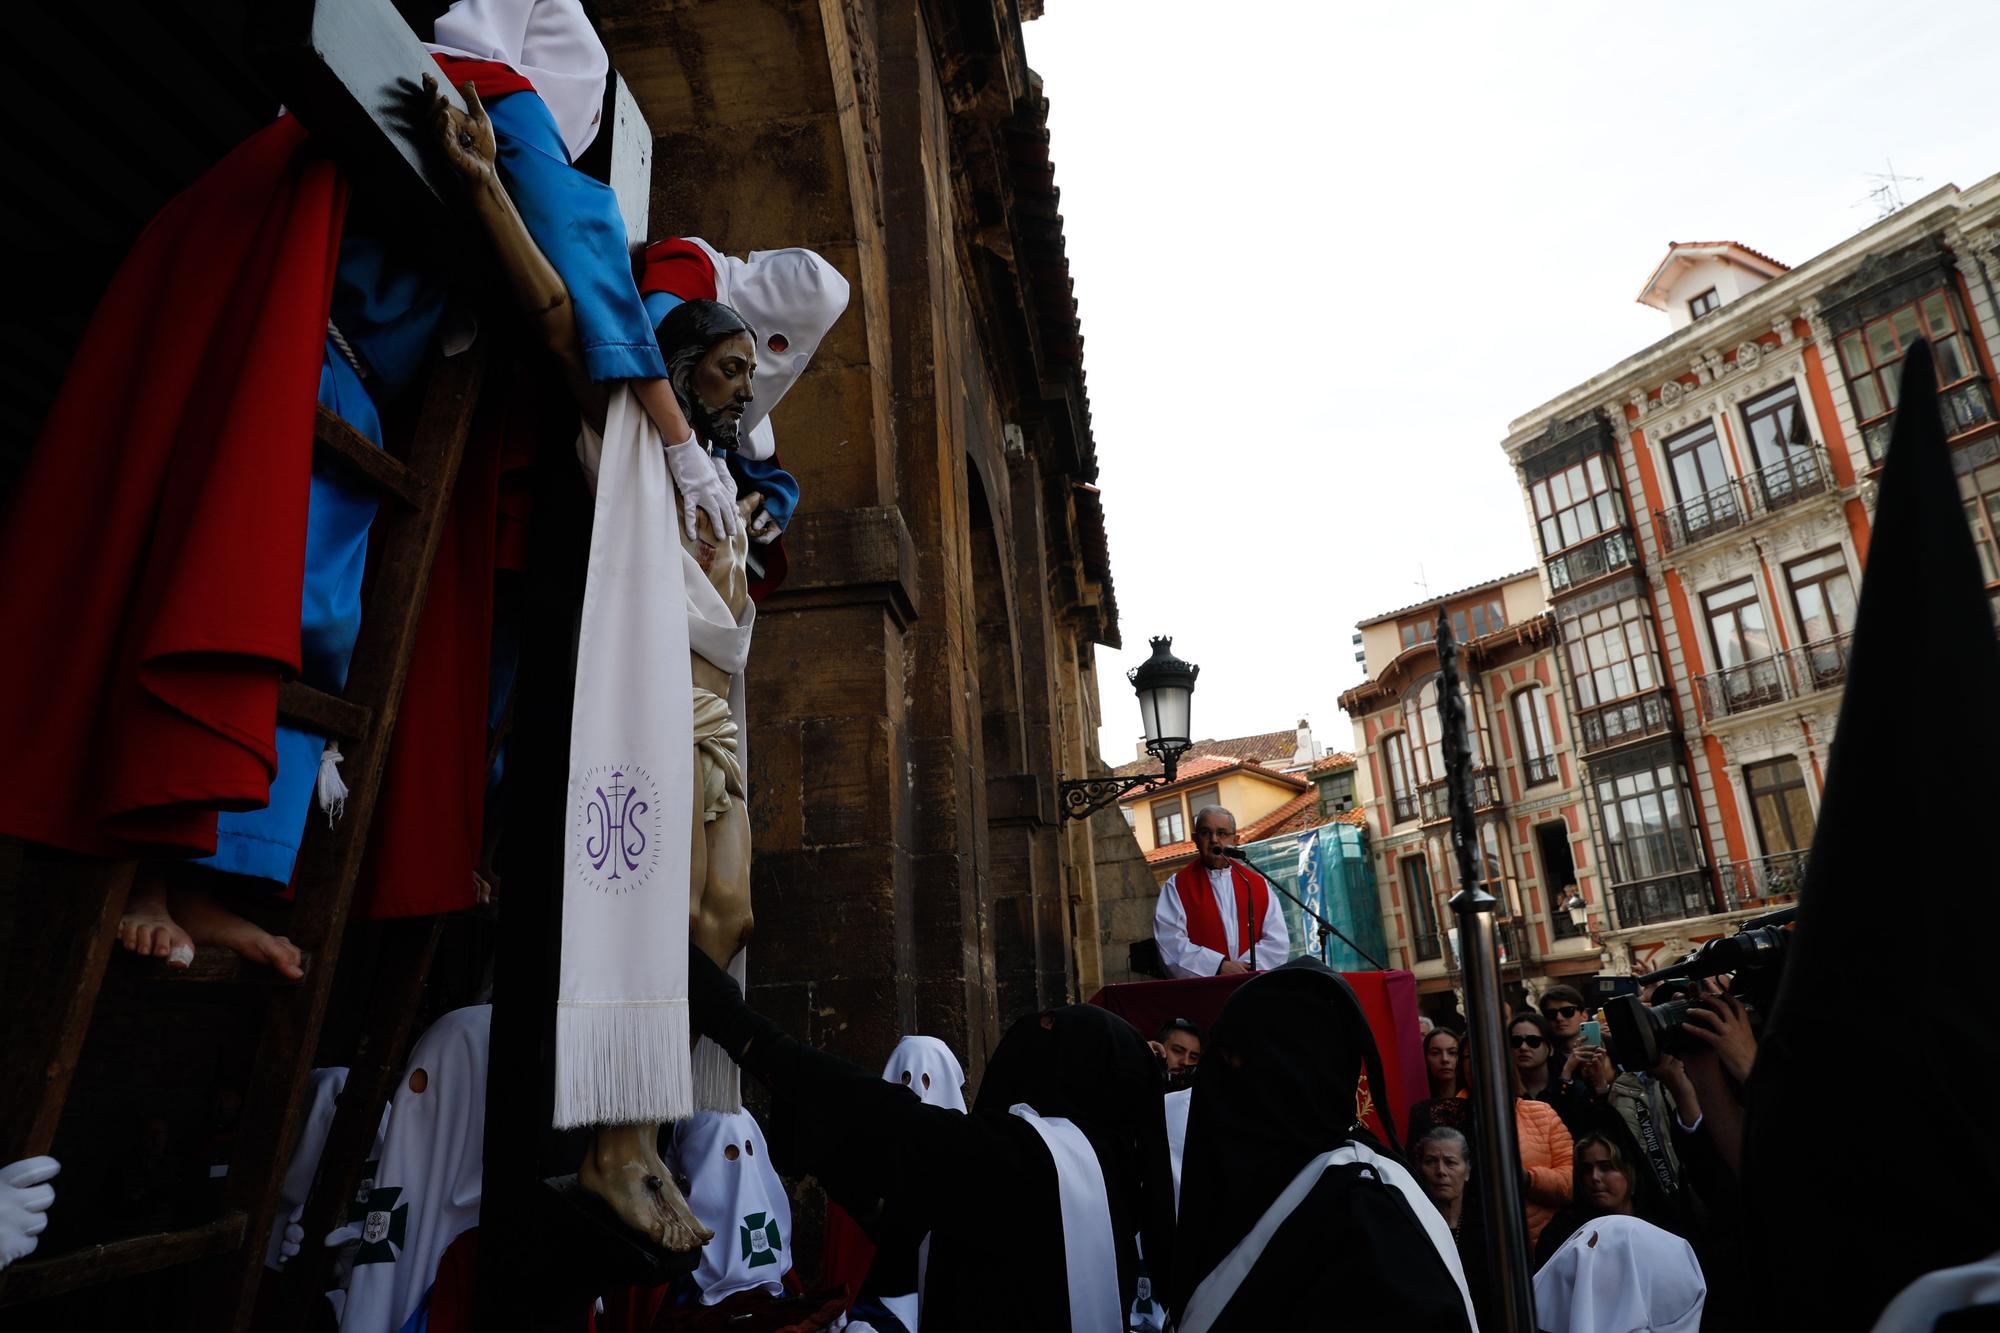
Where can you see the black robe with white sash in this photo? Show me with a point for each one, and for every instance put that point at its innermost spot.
(982, 1185)
(1277, 1091)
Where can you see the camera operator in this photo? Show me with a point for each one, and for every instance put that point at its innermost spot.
(1720, 1067)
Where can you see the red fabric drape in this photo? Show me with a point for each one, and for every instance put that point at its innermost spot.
(491, 78)
(1388, 999)
(846, 1254)
(150, 570)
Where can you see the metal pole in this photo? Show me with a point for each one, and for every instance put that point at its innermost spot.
(1498, 1152)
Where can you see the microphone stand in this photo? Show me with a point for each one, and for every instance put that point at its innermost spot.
(1325, 927)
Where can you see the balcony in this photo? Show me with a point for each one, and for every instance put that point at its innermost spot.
(1403, 808)
(1668, 898)
(1615, 723)
(1798, 476)
(1796, 674)
(1539, 769)
(1426, 946)
(1754, 883)
(1612, 551)
(1964, 407)
(1436, 796)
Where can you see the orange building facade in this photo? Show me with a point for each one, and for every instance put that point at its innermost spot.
(1702, 513)
(1536, 850)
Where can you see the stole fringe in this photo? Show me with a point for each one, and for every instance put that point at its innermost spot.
(718, 1083)
(622, 1064)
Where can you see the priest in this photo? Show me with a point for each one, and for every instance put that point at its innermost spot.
(1216, 915)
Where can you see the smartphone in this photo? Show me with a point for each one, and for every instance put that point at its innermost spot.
(1591, 1033)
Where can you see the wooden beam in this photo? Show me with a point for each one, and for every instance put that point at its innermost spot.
(67, 931)
(351, 71)
(341, 446)
(212, 966)
(622, 157)
(402, 964)
(95, 1265)
(327, 714)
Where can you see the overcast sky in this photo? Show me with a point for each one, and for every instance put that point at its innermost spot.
(1325, 252)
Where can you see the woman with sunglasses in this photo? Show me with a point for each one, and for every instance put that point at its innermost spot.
(1537, 1050)
(1546, 1148)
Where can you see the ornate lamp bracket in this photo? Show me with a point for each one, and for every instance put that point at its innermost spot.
(1084, 797)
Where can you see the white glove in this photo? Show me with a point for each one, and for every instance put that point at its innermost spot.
(295, 1239)
(25, 1198)
(701, 491)
(763, 528)
(343, 1235)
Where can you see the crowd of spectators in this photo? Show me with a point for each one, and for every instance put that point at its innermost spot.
(1595, 1140)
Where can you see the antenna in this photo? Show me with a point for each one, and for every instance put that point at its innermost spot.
(1423, 582)
(1886, 193)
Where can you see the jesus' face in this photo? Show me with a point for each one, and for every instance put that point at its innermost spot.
(721, 389)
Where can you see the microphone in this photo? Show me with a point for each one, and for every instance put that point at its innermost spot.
(1236, 853)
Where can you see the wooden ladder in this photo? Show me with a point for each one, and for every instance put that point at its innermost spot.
(344, 69)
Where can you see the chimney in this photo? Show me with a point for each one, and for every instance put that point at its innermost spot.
(1305, 754)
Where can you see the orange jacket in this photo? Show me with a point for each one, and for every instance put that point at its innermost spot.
(1546, 1152)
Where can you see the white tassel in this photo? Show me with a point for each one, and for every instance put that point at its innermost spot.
(332, 791)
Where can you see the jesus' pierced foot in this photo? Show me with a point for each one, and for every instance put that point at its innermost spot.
(209, 922)
(623, 1168)
(147, 928)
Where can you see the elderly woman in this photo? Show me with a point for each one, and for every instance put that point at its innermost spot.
(1444, 1164)
(1443, 1160)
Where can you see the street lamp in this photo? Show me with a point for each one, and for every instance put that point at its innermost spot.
(1579, 911)
(1165, 686)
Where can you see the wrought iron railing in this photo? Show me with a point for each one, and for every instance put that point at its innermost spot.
(1749, 883)
(1611, 551)
(1427, 945)
(1561, 926)
(1403, 807)
(1719, 510)
(1615, 723)
(1436, 796)
(1539, 768)
(1963, 407)
(1801, 474)
(1793, 674)
(1668, 898)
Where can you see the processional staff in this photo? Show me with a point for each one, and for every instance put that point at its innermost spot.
(1498, 1154)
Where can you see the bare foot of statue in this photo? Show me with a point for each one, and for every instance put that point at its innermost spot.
(209, 922)
(623, 1168)
(148, 929)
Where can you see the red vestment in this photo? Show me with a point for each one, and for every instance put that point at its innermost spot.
(1204, 922)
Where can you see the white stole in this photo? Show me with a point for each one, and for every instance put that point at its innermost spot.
(1178, 1103)
(621, 1007)
(1089, 1251)
(1212, 1297)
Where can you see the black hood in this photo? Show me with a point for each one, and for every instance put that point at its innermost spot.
(1891, 957)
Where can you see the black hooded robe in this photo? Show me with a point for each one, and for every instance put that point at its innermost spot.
(983, 1185)
(1277, 1089)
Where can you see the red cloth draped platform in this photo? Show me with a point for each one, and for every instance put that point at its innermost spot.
(1389, 999)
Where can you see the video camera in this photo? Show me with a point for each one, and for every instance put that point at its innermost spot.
(1639, 1033)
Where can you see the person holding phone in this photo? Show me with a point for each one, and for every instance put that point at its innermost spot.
(1538, 1063)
